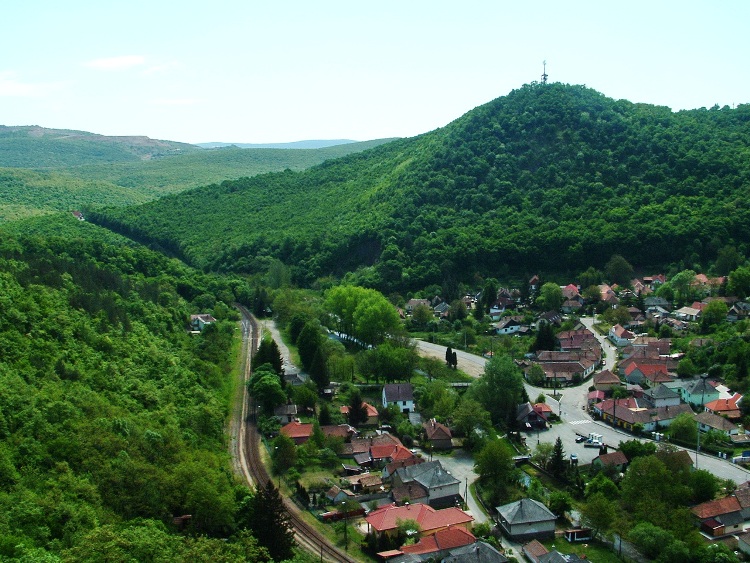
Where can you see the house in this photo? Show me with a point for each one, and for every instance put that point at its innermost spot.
(400, 394)
(719, 517)
(372, 413)
(529, 418)
(534, 550)
(698, 392)
(438, 435)
(616, 460)
(526, 519)
(743, 543)
(299, 432)
(366, 482)
(411, 493)
(627, 413)
(689, 314)
(661, 396)
(710, 421)
(336, 495)
(285, 413)
(199, 322)
(448, 538)
(480, 552)
(391, 468)
(606, 381)
(645, 373)
(571, 306)
(343, 431)
(414, 303)
(509, 325)
(738, 311)
(385, 519)
(443, 489)
(619, 336)
(726, 407)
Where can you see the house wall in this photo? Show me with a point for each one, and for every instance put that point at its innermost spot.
(529, 531)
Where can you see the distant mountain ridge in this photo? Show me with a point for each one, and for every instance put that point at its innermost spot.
(311, 144)
(32, 146)
(551, 178)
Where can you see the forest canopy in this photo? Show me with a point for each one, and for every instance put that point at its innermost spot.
(552, 178)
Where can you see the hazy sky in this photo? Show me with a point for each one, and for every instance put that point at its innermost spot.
(289, 70)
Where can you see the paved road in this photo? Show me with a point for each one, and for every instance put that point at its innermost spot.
(575, 419)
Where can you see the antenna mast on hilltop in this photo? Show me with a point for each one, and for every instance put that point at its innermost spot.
(544, 73)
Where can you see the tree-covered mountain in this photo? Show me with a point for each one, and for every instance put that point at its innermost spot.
(111, 414)
(550, 178)
(48, 170)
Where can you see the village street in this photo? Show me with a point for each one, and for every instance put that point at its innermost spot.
(575, 418)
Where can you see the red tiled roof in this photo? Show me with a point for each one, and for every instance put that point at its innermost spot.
(724, 405)
(613, 458)
(371, 411)
(297, 430)
(715, 508)
(429, 519)
(448, 538)
(436, 431)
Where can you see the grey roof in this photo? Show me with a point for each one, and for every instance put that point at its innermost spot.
(715, 421)
(700, 385)
(525, 511)
(557, 557)
(398, 392)
(430, 475)
(661, 391)
(478, 552)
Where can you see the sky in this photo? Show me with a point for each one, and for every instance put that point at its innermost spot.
(246, 71)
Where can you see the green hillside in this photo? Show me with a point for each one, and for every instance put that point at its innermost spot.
(26, 193)
(178, 173)
(39, 148)
(49, 170)
(111, 414)
(551, 178)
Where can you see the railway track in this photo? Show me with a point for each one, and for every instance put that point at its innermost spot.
(250, 466)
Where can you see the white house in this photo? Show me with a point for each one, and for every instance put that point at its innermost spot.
(620, 336)
(199, 322)
(401, 394)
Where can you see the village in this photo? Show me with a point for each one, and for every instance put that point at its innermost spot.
(408, 504)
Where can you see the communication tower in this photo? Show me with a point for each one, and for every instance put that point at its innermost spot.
(544, 72)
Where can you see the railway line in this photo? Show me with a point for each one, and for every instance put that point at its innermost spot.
(247, 461)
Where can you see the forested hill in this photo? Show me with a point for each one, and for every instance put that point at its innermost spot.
(549, 178)
(40, 147)
(111, 414)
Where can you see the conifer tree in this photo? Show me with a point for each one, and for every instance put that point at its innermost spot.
(270, 523)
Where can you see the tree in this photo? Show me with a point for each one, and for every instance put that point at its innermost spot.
(283, 455)
(268, 353)
(739, 282)
(543, 454)
(472, 421)
(682, 284)
(557, 463)
(319, 369)
(602, 485)
(635, 448)
(559, 503)
(684, 428)
(270, 522)
(713, 314)
(650, 539)
(357, 410)
(449, 356)
(545, 338)
(704, 485)
(598, 513)
(308, 342)
(619, 270)
(499, 390)
(265, 388)
(421, 315)
(494, 465)
(550, 297)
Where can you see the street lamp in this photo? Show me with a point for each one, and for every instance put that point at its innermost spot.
(697, 422)
(346, 525)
